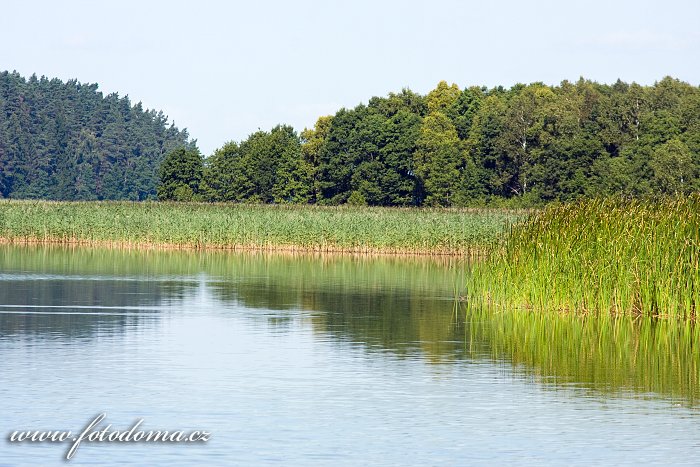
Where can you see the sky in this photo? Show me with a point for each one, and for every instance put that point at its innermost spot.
(224, 69)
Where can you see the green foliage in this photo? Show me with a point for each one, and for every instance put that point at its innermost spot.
(313, 141)
(524, 146)
(67, 141)
(266, 162)
(267, 167)
(225, 178)
(443, 98)
(673, 168)
(181, 176)
(437, 159)
(357, 199)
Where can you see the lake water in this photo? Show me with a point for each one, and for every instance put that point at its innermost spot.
(299, 360)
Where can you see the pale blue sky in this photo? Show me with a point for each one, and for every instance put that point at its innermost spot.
(225, 69)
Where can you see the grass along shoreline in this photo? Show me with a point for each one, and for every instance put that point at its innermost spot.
(345, 229)
(606, 256)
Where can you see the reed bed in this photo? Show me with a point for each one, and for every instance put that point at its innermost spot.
(256, 227)
(618, 256)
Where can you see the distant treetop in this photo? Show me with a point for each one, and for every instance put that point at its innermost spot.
(67, 141)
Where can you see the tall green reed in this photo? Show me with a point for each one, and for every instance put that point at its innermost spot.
(239, 226)
(616, 255)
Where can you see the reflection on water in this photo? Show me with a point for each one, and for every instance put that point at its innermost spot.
(77, 306)
(286, 333)
(601, 353)
(402, 305)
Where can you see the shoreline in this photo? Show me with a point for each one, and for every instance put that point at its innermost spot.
(240, 227)
(472, 253)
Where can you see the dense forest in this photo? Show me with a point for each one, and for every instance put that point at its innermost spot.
(525, 145)
(464, 147)
(67, 141)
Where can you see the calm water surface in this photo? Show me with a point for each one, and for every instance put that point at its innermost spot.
(325, 361)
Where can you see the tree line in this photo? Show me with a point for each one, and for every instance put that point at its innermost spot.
(525, 145)
(66, 141)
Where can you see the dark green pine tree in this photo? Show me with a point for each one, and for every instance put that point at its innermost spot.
(67, 141)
